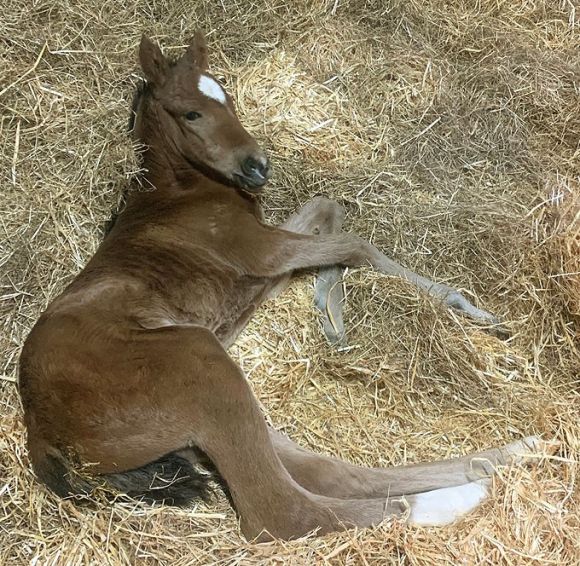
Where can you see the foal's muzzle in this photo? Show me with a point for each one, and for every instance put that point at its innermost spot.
(255, 172)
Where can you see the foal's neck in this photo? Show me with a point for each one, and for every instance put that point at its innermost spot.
(163, 167)
(169, 172)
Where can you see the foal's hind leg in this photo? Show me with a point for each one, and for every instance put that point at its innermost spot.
(436, 493)
(197, 396)
(336, 478)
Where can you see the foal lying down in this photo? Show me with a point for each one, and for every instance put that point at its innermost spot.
(126, 375)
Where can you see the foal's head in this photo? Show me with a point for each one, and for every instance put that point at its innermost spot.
(197, 117)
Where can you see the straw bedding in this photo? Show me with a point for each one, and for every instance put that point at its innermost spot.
(448, 131)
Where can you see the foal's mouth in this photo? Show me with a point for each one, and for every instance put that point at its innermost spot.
(254, 172)
(251, 184)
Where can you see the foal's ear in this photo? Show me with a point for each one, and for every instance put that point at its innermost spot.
(197, 51)
(153, 62)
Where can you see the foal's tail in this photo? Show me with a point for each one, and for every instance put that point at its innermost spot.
(171, 480)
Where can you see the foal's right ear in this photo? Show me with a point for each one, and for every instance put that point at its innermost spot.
(153, 62)
(197, 51)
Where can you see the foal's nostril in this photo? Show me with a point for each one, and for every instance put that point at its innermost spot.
(256, 170)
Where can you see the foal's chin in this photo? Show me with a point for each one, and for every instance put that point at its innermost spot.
(253, 189)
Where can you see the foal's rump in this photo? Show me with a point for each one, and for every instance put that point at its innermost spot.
(114, 413)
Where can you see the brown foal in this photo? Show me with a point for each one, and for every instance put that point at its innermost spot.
(126, 376)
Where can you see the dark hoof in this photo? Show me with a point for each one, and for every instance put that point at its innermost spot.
(499, 331)
(329, 300)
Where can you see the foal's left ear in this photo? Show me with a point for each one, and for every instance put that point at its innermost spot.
(153, 63)
(197, 51)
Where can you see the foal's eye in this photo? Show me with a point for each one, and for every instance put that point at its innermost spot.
(191, 116)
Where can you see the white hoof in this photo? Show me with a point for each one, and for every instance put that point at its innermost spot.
(445, 506)
(521, 450)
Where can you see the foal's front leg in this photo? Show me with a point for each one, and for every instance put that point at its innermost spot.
(318, 216)
(324, 216)
(283, 252)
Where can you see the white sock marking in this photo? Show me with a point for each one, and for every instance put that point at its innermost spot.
(445, 506)
(211, 89)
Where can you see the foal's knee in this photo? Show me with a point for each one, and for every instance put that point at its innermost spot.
(326, 206)
(330, 214)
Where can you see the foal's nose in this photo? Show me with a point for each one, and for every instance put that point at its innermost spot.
(256, 170)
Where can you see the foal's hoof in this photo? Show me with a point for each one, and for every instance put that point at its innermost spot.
(499, 331)
(329, 300)
(336, 338)
(531, 448)
(526, 451)
(459, 303)
(447, 505)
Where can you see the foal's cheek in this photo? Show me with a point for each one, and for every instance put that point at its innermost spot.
(224, 163)
(217, 153)
(193, 146)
